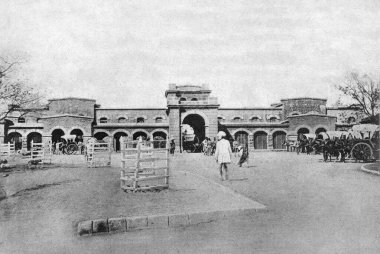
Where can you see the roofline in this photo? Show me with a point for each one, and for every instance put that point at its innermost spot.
(68, 98)
(311, 115)
(63, 115)
(131, 109)
(263, 108)
(303, 98)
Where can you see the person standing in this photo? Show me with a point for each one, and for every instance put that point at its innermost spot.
(223, 154)
(172, 146)
(244, 155)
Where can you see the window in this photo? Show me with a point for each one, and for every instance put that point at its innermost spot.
(272, 119)
(237, 119)
(140, 119)
(21, 120)
(194, 99)
(122, 120)
(158, 119)
(182, 99)
(220, 118)
(255, 119)
(103, 120)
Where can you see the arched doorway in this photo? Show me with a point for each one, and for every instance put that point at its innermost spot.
(279, 138)
(302, 131)
(100, 135)
(15, 138)
(260, 140)
(116, 140)
(138, 134)
(56, 135)
(241, 137)
(160, 138)
(198, 124)
(79, 135)
(35, 137)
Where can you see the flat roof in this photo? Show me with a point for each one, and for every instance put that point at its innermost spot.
(71, 98)
(262, 108)
(304, 98)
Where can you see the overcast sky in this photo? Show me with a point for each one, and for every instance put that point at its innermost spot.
(251, 53)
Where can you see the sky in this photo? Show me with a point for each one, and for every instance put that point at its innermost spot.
(251, 53)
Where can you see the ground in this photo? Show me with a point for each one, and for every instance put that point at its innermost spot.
(312, 207)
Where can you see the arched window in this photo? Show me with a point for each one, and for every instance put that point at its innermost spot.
(182, 99)
(294, 114)
(351, 119)
(159, 119)
(237, 119)
(220, 118)
(122, 120)
(255, 119)
(103, 120)
(21, 120)
(140, 119)
(194, 99)
(272, 119)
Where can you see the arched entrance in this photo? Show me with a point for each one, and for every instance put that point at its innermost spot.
(302, 131)
(198, 124)
(116, 140)
(241, 137)
(260, 140)
(35, 137)
(15, 138)
(159, 136)
(279, 138)
(56, 135)
(78, 133)
(319, 130)
(100, 135)
(138, 134)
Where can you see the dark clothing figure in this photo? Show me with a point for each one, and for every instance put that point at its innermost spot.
(244, 156)
(172, 147)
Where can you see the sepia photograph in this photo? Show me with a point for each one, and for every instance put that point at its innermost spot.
(190, 126)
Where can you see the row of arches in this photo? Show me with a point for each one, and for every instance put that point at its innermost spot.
(155, 135)
(36, 137)
(260, 139)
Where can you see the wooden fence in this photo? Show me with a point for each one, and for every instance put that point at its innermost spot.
(145, 165)
(7, 149)
(98, 154)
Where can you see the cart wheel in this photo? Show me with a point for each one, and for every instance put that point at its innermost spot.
(71, 149)
(361, 151)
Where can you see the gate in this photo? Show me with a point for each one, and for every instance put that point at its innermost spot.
(241, 137)
(260, 140)
(279, 138)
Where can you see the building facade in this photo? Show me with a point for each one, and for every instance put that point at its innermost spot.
(263, 128)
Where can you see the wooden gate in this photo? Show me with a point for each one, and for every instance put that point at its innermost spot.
(279, 138)
(260, 140)
(241, 137)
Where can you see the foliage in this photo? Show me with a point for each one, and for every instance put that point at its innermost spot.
(363, 89)
(15, 95)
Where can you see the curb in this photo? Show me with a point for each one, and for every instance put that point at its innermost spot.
(127, 224)
(362, 168)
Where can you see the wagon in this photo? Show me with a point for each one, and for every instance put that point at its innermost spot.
(365, 142)
(69, 146)
(190, 143)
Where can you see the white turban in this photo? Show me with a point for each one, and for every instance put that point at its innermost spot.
(221, 134)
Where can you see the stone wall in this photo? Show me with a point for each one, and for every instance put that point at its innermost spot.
(67, 124)
(72, 106)
(311, 122)
(131, 115)
(303, 106)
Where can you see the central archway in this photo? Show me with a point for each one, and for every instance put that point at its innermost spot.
(197, 122)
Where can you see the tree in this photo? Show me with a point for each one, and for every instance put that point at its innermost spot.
(15, 95)
(363, 89)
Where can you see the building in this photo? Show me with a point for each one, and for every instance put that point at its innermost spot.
(260, 127)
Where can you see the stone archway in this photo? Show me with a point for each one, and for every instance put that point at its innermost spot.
(34, 137)
(198, 124)
(56, 135)
(279, 138)
(116, 139)
(260, 140)
(16, 138)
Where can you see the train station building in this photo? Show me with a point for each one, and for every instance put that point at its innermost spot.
(264, 128)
